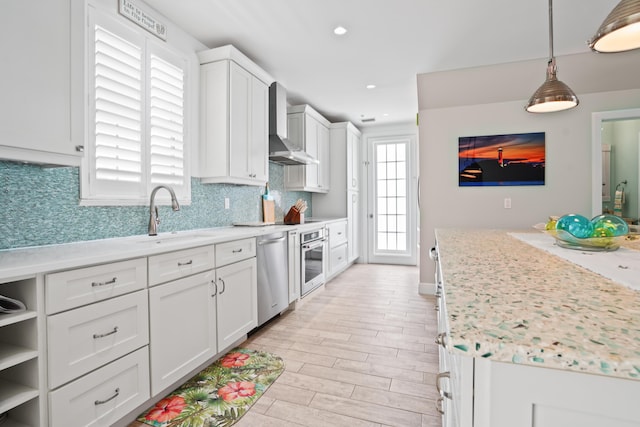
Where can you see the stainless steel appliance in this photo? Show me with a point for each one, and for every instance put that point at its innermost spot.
(313, 252)
(280, 148)
(273, 275)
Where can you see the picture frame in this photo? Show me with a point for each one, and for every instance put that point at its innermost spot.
(501, 160)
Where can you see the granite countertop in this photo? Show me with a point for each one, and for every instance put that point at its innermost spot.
(27, 262)
(511, 302)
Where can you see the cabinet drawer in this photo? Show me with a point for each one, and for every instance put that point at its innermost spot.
(174, 265)
(337, 233)
(230, 252)
(102, 397)
(73, 288)
(338, 258)
(88, 337)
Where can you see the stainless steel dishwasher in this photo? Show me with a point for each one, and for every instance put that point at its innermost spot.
(273, 275)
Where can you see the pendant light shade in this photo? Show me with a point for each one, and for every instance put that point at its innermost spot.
(553, 95)
(620, 31)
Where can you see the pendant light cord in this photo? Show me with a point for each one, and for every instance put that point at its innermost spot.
(550, 30)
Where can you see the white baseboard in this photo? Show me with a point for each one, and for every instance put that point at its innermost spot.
(427, 288)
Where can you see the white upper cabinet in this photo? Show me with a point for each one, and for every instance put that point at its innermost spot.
(309, 131)
(234, 118)
(41, 81)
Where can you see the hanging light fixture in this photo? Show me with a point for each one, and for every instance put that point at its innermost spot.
(553, 95)
(620, 31)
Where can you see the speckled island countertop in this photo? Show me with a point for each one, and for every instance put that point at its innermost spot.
(511, 302)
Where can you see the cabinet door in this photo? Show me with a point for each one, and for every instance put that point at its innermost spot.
(324, 156)
(41, 80)
(259, 148)
(237, 301)
(353, 161)
(294, 266)
(353, 222)
(239, 126)
(311, 147)
(182, 317)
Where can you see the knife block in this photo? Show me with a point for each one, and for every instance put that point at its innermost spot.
(294, 216)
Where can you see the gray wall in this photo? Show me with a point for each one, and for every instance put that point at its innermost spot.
(489, 101)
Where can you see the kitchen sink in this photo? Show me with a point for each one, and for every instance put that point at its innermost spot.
(173, 237)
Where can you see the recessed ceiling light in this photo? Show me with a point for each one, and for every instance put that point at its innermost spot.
(340, 31)
(371, 86)
(386, 114)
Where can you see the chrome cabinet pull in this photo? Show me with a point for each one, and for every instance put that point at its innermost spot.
(96, 336)
(441, 338)
(181, 264)
(441, 392)
(436, 307)
(439, 403)
(224, 286)
(102, 402)
(433, 254)
(215, 286)
(108, 282)
(237, 251)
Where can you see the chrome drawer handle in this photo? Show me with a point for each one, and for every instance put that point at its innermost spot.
(216, 288)
(108, 282)
(96, 336)
(440, 391)
(436, 307)
(237, 251)
(102, 402)
(439, 403)
(224, 286)
(441, 338)
(181, 264)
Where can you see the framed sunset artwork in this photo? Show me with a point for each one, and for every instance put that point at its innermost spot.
(495, 160)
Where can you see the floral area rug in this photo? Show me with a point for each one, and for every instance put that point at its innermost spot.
(220, 394)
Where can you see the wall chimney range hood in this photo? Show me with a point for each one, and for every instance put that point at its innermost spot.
(280, 149)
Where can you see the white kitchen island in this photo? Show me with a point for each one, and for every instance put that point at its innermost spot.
(531, 339)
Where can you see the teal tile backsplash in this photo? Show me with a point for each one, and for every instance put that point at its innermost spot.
(39, 206)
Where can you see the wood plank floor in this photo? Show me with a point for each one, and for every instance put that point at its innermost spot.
(361, 352)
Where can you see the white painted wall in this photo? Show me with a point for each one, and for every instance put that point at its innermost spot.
(567, 186)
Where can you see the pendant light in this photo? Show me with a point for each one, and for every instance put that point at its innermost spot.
(620, 31)
(553, 95)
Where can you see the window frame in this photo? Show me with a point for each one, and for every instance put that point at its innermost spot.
(104, 193)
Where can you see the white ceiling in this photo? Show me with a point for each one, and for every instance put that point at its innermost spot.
(387, 44)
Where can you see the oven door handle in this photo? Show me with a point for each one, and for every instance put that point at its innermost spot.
(315, 244)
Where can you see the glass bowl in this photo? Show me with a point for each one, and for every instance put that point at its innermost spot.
(596, 244)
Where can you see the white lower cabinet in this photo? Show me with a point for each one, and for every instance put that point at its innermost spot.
(193, 318)
(294, 266)
(182, 318)
(88, 337)
(338, 247)
(104, 396)
(237, 301)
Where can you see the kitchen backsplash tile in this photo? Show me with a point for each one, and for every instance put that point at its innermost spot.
(40, 207)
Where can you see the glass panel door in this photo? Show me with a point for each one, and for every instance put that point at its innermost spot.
(391, 214)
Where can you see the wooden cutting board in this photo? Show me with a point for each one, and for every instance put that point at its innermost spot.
(268, 210)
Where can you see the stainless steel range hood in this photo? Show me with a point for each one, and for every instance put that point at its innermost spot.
(280, 150)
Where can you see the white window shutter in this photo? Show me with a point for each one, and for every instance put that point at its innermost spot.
(166, 123)
(118, 109)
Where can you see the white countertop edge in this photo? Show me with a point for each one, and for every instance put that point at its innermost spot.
(20, 263)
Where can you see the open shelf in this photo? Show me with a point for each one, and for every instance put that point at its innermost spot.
(11, 318)
(13, 394)
(11, 355)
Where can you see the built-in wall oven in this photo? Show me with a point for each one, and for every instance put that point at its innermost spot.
(313, 251)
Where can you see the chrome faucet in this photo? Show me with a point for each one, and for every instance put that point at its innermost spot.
(154, 220)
